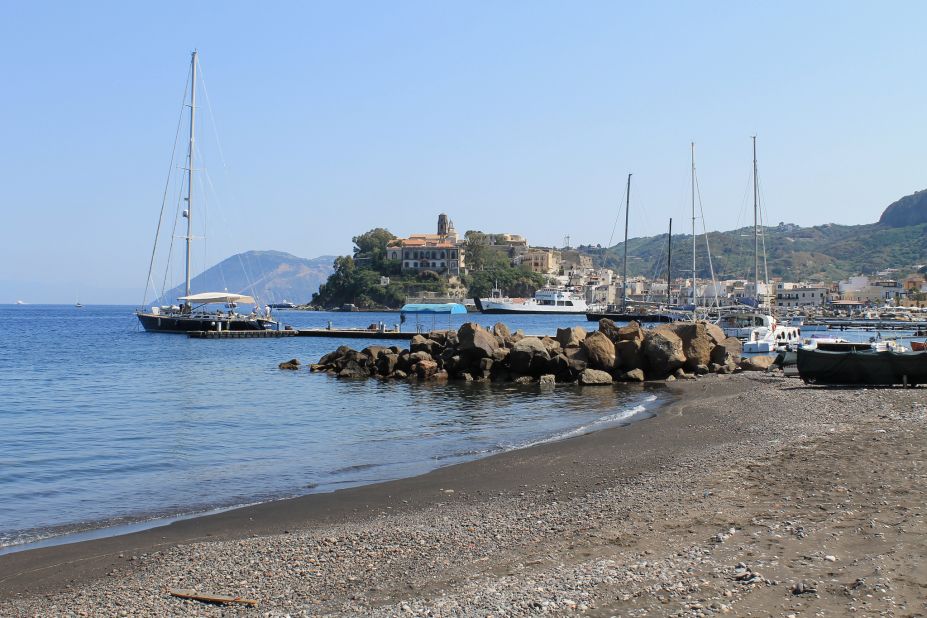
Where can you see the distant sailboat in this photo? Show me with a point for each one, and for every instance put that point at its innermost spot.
(77, 302)
(193, 314)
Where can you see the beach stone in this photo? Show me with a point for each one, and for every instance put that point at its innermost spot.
(528, 356)
(548, 379)
(662, 352)
(386, 364)
(635, 375)
(399, 374)
(608, 328)
(318, 367)
(600, 351)
(757, 363)
(523, 380)
(729, 350)
(485, 367)
(571, 337)
(501, 354)
(594, 377)
(291, 364)
(475, 341)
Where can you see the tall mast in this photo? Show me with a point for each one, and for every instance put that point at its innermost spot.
(190, 169)
(669, 264)
(756, 229)
(694, 287)
(627, 204)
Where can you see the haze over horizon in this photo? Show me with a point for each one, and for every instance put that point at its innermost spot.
(520, 117)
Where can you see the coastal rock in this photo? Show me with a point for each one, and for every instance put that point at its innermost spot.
(528, 356)
(292, 364)
(485, 367)
(696, 345)
(662, 352)
(417, 357)
(501, 354)
(551, 345)
(635, 375)
(757, 363)
(628, 352)
(374, 351)
(631, 332)
(426, 369)
(600, 351)
(439, 337)
(352, 369)
(386, 364)
(548, 379)
(715, 333)
(728, 351)
(501, 330)
(422, 344)
(571, 337)
(594, 377)
(476, 342)
(523, 380)
(331, 357)
(608, 328)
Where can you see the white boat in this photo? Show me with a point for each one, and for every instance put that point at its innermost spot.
(761, 333)
(545, 300)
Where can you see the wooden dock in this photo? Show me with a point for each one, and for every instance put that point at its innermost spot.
(356, 333)
(241, 334)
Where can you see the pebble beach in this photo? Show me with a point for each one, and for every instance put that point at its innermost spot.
(749, 494)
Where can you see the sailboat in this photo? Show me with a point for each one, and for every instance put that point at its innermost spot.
(195, 312)
(759, 329)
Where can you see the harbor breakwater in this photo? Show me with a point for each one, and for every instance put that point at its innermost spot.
(611, 353)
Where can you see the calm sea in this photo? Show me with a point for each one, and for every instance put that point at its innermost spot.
(103, 424)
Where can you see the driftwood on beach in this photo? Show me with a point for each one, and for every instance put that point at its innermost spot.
(473, 353)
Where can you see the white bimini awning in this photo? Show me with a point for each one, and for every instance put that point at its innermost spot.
(206, 298)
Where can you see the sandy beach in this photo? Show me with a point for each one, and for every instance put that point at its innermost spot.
(751, 494)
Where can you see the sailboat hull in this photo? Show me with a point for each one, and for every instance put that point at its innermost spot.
(160, 323)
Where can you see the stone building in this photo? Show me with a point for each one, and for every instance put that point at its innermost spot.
(442, 252)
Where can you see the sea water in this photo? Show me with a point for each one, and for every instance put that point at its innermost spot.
(102, 423)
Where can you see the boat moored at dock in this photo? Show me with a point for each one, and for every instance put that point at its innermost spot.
(545, 300)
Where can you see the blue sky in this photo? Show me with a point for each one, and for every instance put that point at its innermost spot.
(525, 117)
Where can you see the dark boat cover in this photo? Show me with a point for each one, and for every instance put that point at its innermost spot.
(862, 367)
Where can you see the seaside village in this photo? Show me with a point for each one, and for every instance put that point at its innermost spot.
(888, 294)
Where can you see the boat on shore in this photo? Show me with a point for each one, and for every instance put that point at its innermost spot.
(549, 300)
(856, 367)
(194, 312)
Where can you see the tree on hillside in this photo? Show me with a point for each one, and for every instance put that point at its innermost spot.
(371, 246)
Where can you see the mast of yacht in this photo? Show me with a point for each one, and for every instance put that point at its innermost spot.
(669, 264)
(624, 289)
(756, 229)
(189, 211)
(694, 287)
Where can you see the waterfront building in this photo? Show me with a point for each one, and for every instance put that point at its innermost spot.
(442, 252)
(798, 295)
(541, 260)
(862, 289)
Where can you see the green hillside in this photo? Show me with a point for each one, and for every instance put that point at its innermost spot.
(823, 252)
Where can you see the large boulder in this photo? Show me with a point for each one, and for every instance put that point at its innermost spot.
(501, 330)
(291, 364)
(608, 328)
(475, 342)
(715, 333)
(629, 354)
(635, 375)
(696, 345)
(551, 345)
(352, 369)
(728, 351)
(422, 344)
(571, 337)
(662, 352)
(386, 364)
(331, 357)
(757, 363)
(600, 351)
(528, 356)
(630, 332)
(594, 377)
(374, 351)
(426, 369)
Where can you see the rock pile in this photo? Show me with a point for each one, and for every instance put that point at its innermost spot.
(473, 353)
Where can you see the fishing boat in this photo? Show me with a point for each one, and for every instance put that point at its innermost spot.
(548, 300)
(862, 367)
(195, 311)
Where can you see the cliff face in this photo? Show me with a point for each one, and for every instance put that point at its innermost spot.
(909, 210)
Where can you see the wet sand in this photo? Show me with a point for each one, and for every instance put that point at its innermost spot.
(750, 493)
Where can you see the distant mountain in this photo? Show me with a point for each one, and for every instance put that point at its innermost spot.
(272, 276)
(823, 252)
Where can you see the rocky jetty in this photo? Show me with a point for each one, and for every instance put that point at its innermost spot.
(612, 353)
